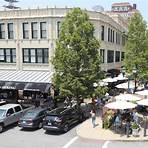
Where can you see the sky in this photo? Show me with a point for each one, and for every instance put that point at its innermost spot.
(142, 5)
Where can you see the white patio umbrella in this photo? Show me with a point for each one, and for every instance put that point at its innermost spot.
(127, 97)
(120, 105)
(142, 93)
(125, 85)
(109, 80)
(121, 77)
(143, 102)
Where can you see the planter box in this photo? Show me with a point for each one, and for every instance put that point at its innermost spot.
(135, 132)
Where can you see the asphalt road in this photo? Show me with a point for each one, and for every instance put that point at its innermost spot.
(14, 137)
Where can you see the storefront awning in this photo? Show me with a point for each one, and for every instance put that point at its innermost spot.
(37, 87)
(12, 85)
(26, 76)
(26, 80)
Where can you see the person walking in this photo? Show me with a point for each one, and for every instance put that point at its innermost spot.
(93, 117)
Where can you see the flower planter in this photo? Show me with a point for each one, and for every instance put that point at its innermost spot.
(135, 132)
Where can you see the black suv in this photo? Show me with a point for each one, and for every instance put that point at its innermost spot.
(60, 119)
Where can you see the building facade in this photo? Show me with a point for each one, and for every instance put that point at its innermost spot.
(28, 38)
(125, 9)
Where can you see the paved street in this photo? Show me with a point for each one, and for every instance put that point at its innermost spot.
(13, 137)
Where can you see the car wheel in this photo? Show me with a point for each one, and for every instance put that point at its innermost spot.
(40, 125)
(1, 128)
(66, 128)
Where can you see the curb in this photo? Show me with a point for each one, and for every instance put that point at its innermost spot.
(115, 140)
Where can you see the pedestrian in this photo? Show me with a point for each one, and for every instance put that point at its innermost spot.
(93, 117)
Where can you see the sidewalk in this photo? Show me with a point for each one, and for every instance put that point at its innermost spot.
(85, 130)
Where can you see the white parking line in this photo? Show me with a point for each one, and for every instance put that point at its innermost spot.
(105, 144)
(70, 142)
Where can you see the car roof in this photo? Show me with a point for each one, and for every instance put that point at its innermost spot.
(7, 106)
(37, 110)
(58, 111)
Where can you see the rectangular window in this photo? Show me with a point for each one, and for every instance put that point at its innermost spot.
(113, 36)
(35, 55)
(26, 56)
(2, 55)
(102, 33)
(58, 28)
(8, 55)
(110, 56)
(25, 31)
(32, 56)
(43, 30)
(102, 54)
(117, 56)
(122, 56)
(108, 34)
(10, 31)
(34, 29)
(2, 31)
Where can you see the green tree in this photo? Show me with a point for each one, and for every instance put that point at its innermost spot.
(77, 60)
(136, 49)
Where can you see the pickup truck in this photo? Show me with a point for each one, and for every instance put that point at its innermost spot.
(10, 113)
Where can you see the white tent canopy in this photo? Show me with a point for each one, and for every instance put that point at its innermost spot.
(120, 105)
(143, 102)
(142, 93)
(109, 80)
(127, 97)
(125, 85)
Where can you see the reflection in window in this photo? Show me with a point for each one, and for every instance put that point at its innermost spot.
(8, 55)
(35, 55)
(117, 56)
(110, 56)
(10, 31)
(34, 29)
(2, 31)
(43, 31)
(25, 31)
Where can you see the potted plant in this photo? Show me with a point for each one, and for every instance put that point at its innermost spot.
(135, 129)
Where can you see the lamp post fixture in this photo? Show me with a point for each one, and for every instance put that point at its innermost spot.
(123, 70)
(135, 77)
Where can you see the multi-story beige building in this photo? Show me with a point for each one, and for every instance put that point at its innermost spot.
(28, 38)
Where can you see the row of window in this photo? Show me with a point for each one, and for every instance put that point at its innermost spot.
(34, 30)
(41, 28)
(110, 56)
(41, 55)
(30, 55)
(113, 36)
(26, 30)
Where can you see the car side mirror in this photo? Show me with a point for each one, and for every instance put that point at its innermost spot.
(8, 114)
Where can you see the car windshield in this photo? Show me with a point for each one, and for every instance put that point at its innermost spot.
(2, 112)
(30, 114)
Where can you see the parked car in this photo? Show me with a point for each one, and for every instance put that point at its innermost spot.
(60, 119)
(10, 113)
(33, 118)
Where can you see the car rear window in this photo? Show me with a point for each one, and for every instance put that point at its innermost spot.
(30, 114)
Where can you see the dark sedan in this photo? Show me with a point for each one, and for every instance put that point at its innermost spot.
(33, 118)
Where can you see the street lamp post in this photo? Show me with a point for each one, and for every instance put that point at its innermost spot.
(135, 76)
(123, 70)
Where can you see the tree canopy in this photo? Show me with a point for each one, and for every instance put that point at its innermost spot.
(136, 49)
(77, 59)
